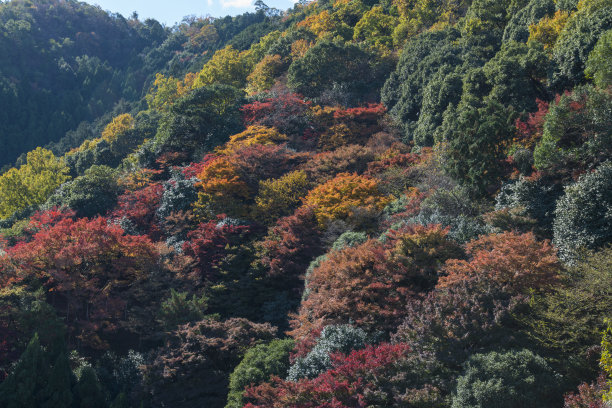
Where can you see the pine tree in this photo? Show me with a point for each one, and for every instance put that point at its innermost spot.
(22, 388)
(121, 401)
(58, 393)
(88, 392)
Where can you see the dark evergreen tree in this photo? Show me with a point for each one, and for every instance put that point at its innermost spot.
(87, 392)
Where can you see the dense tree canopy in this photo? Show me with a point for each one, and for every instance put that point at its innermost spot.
(350, 203)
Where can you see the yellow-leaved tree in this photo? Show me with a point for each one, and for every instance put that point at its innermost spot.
(118, 125)
(280, 197)
(264, 73)
(251, 136)
(222, 190)
(227, 66)
(166, 90)
(32, 183)
(547, 30)
(344, 196)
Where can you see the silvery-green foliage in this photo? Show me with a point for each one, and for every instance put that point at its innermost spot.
(179, 194)
(334, 338)
(536, 197)
(584, 214)
(349, 239)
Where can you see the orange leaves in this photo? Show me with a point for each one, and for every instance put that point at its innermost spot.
(221, 189)
(340, 127)
(341, 196)
(370, 284)
(517, 261)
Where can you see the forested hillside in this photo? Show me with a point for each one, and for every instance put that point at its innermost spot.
(351, 203)
(67, 63)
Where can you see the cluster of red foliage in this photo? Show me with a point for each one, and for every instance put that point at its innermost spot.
(89, 268)
(207, 245)
(338, 126)
(530, 130)
(287, 112)
(290, 246)
(139, 207)
(354, 381)
(262, 162)
(589, 395)
(402, 160)
(194, 169)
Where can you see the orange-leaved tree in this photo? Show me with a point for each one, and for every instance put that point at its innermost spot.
(222, 190)
(517, 261)
(370, 284)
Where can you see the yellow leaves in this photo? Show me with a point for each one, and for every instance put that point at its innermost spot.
(341, 196)
(319, 24)
(206, 35)
(118, 125)
(375, 27)
(299, 48)
(547, 30)
(165, 91)
(32, 183)
(264, 73)
(606, 357)
(227, 66)
(253, 135)
(278, 197)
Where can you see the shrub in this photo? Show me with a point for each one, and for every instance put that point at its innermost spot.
(258, 365)
(507, 379)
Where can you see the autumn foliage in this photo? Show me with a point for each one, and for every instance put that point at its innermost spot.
(518, 261)
(355, 381)
(90, 269)
(221, 189)
(369, 284)
(341, 196)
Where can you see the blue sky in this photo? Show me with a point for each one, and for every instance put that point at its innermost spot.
(170, 12)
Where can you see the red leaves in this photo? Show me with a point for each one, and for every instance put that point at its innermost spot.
(139, 207)
(291, 244)
(88, 268)
(530, 131)
(207, 245)
(285, 105)
(588, 396)
(353, 382)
